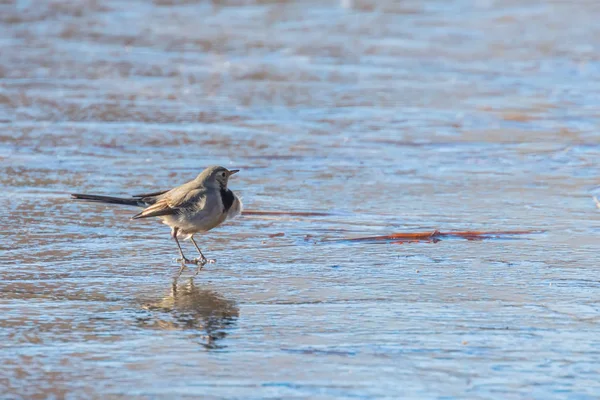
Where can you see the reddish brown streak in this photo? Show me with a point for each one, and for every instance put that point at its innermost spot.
(411, 237)
(402, 237)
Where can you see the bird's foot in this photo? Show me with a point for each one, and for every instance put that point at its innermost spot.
(201, 262)
(186, 261)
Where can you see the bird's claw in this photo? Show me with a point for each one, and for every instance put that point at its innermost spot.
(200, 262)
(203, 261)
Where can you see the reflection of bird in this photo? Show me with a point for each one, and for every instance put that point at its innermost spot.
(193, 308)
(196, 206)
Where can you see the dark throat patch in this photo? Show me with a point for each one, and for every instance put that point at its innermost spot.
(227, 198)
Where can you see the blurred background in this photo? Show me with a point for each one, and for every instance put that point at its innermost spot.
(386, 116)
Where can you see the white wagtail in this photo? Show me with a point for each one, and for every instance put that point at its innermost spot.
(196, 206)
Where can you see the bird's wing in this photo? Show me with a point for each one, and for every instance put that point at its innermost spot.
(150, 194)
(153, 197)
(175, 202)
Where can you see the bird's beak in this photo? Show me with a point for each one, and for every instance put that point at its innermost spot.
(233, 171)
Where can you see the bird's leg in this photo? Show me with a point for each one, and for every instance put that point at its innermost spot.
(183, 260)
(200, 261)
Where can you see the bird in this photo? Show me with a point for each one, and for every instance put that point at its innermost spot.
(195, 207)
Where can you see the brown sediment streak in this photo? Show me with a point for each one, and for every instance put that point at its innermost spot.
(436, 235)
(289, 213)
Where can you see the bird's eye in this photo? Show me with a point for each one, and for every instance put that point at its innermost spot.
(223, 174)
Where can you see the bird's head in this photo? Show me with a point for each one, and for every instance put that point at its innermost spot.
(216, 177)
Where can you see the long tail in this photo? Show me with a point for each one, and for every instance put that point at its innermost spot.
(109, 199)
